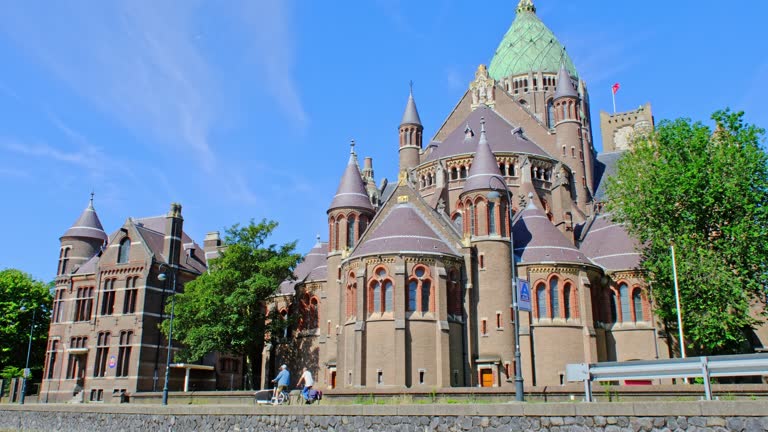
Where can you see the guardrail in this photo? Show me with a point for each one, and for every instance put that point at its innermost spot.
(692, 367)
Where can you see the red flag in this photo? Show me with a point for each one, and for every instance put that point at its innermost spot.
(615, 88)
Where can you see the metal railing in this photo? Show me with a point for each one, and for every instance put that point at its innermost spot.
(692, 367)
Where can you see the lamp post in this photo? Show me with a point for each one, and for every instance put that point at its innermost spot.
(162, 277)
(29, 349)
(494, 194)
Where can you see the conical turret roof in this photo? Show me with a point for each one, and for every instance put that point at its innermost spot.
(565, 87)
(528, 46)
(411, 114)
(484, 165)
(351, 192)
(537, 240)
(87, 225)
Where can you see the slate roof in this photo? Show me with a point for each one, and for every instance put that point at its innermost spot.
(565, 86)
(411, 114)
(87, 225)
(484, 165)
(537, 240)
(404, 230)
(312, 268)
(152, 230)
(605, 166)
(351, 192)
(502, 136)
(610, 246)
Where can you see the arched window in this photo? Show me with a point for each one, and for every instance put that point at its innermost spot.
(637, 303)
(413, 287)
(454, 293)
(351, 297)
(567, 300)
(463, 172)
(614, 307)
(362, 225)
(64, 259)
(454, 173)
(351, 231)
(550, 114)
(458, 221)
(336, 234)
(308, 315)
(420, 293)
(624, 300)
(472, 222)
(491, 218)
(554, 301)
(541, 301)
(124, 251)
(381, 292)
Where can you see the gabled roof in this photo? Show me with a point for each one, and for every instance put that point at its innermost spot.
(502, 137)
(404, 229)
(312, 268)
(610, 246)
(152, 230)
(351, 192)
(537, 240)
(484, 165)
(87, 225)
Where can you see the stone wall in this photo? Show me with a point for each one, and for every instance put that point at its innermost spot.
(745, 416)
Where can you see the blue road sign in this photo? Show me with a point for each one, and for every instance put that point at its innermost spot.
(523, 295)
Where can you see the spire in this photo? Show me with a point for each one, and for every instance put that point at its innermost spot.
(484, 164)
(411, 115)
(87, 225)
(564, 85)
(351, 191)
(525, 6)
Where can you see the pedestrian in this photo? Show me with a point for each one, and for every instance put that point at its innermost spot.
(306, 377)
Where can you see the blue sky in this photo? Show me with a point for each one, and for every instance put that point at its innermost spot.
(245, 109)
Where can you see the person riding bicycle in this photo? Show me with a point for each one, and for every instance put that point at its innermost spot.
(282, 380)
(306, 377)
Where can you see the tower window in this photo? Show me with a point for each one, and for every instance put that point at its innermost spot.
(124, 251)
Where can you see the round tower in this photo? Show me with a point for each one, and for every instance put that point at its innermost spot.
(487, 228)
(568, 132)
(411, 131)
(82, 241)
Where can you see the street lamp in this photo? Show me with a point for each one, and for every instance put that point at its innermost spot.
(493, 195)
(162, 277)
(29, 349)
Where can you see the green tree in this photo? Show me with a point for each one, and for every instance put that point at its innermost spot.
(707, 193)
(225, 309)
(21, 297)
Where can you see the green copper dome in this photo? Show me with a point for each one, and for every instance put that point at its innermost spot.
(529, 46)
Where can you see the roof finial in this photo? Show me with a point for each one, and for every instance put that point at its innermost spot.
(90, 202)
(482, 125)
(352, 146)
(525, 6)
(410, 84)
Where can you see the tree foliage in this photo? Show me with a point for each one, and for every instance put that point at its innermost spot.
(707, 193)
(21, 297)
(225, 309)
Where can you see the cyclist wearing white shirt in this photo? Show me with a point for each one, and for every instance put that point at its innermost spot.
(306, 377)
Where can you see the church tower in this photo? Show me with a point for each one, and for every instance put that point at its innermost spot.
(411, 131)
(82, 241)
(487, 229)
(568, 130)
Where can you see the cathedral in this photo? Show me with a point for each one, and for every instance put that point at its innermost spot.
(413, 287)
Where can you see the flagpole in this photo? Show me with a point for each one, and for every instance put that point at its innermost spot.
(613, 96)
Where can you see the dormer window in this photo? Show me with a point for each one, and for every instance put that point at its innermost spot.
(124, 251)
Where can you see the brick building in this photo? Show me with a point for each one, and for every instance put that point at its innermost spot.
(104, 338)
(413, 287)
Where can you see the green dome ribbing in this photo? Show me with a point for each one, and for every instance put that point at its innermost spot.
(529, 46)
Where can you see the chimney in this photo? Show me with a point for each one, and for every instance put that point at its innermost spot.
(212, 244)
(172, 241)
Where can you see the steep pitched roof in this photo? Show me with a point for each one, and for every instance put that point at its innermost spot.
(502, 137)
(605, 167)
(87, 225)
(351, 192)
(537, 240)
(411, 114)
(312, 268)
(610, 246)
(404, 229)
(565, 86)
(152, 230)
(484, 165)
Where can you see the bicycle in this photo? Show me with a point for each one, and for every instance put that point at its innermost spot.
(265, 396)
(283, 398)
